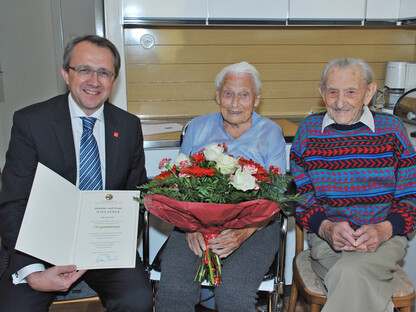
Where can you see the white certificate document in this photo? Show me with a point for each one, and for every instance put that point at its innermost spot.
(63, 225)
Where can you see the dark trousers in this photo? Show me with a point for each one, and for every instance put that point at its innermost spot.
(242, 273)
(118, 289)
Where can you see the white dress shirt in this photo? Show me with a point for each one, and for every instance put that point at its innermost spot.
(98, 131)
(366, 118)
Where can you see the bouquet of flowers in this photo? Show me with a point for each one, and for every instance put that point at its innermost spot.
(212, 191)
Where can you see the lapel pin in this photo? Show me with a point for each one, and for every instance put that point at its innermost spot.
(116, 134)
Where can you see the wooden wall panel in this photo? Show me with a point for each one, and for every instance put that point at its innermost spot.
(273, 36)
(174, 79)
(181, 110)
(200, 91)
(154, 73)
(265, 54)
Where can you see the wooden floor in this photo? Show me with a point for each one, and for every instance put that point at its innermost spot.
(95, 306)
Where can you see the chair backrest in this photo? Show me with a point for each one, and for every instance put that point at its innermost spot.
(299, 239)
(185, 127)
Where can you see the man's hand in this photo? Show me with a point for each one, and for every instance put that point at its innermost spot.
(339, 235)
(196, 242)
(373, 235)
(229, 240)
(57, 278)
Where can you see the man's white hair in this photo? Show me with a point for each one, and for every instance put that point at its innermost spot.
(345, 62)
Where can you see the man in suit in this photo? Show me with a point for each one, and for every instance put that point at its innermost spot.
(51, 133)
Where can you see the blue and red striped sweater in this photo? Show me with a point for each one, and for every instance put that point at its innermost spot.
(350, 173)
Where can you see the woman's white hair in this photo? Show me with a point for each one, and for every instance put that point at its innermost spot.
(239, 68)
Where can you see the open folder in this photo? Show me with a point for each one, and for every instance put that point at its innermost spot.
(63, 225)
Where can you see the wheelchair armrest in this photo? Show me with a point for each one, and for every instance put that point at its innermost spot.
(146, 239)
(290, 207)
(155, 265)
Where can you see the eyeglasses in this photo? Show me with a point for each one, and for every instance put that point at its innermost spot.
(87, 72)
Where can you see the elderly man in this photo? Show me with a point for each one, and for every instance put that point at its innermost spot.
(56, 133)
(356, 171)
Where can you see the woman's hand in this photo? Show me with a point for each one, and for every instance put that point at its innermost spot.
(196, 242)
(229, 240)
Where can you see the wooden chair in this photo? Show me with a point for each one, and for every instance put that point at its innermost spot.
(81, 296)
(307, 284)
(92, 304)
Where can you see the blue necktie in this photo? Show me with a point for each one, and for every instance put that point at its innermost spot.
(89, 158)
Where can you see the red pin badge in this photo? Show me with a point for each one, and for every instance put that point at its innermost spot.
(116, 134)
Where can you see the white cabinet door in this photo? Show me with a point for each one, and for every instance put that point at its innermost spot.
(248, 9)
(383, 10)
(327, 9)
(178, 9)
(408, 9)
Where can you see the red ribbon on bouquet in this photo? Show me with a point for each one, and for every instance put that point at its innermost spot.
(210, 267)
(209, 218)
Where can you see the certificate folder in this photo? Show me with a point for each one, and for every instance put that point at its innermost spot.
(63, 225)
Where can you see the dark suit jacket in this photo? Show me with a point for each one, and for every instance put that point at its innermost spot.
(42, 133)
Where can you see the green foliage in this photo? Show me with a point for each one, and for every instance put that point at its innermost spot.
(217, 189)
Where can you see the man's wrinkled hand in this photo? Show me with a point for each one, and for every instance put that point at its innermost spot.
(373, 235)
(57, 278)
(339, 235)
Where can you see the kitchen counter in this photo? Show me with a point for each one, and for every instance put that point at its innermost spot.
(172, 139)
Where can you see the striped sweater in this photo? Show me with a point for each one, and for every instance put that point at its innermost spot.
(349, 173)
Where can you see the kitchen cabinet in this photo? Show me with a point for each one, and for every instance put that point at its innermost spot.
(177, 9)
(277, 10)
(327, 10)
(383, 10)
(407, 9)
(259, 9)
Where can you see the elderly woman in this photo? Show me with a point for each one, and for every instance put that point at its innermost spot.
(246, 253)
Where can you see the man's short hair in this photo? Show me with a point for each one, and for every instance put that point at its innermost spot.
(96, 40)
(345, 62)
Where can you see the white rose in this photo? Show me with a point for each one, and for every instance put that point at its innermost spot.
(182, 160)
(226, 164)
(212, 152)
(243, 180)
